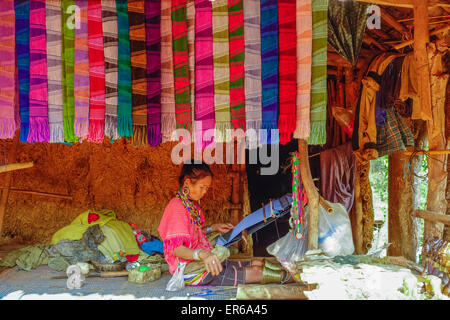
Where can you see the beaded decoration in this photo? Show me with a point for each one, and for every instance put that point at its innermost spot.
(195, 211)
(297, 220)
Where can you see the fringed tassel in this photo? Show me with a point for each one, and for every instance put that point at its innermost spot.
(168, 126)
(69, 134)
(56, 132)
(81, 127)
(265, 133)
(302, 130)
(39, 130)
(96, 131)
(111, 127)
(7, 128)
(318, 134)
(139, 137)
(238, 123)
(24, 129)
(223, 132)
(286, 125)
(154, 136)
(125, 126)
(252, 138)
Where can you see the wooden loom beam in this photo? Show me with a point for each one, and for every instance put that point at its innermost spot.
(15, 166)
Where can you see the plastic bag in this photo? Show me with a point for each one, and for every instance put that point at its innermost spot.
(177, 281)
(288, 250)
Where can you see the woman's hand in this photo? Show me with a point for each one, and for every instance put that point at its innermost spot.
(212, 263)
(222, 227)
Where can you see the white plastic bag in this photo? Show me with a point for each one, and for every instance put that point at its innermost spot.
(177, 281)
(288, 250)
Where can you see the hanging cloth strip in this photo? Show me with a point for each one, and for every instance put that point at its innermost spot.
(110, 44)
(298, 220)
(96, 74)
(304, 60)
(22, 11)
(168, 122)
(38, 130)
(124, 106)
(318, 112)
(190, 22)
(237, 72)
(54, 71)
(204, 73)
(153, 47)
(81, 72)
(252, 66)
(136, 13)
(287, 43)
(221, 71)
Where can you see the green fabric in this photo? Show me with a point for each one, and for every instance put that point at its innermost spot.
(221, 252)
(112, 242)
(26, 258)
(58, 264)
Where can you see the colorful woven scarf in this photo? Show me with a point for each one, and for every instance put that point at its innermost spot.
(221, 56)
(287, 43)
(22, 10)
(96, 73)
(153, 47)
(298, 216)
(237, 72)
(168, 122)
(319, 73)
(304, 58)
(204, 73)
(81, 73)
(252, 36)
(136, 13)
(269, 67)
(190, 18)
(7, 70)
(38, 130)
(54, 71)
(124, 107)
(110, 44)
(180, 65)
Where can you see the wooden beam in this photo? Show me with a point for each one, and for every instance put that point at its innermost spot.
(358, 210)
(38, 193)
(431, 152)
(390, 20)
(432, 33)
(406, 3)
(369, 40)
(432, 216)
(15, 166)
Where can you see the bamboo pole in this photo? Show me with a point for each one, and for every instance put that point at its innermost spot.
(432, 216)
(38, 193)
(406, 3)
(424, 152)
(15, 166)
(393, 23)
(432, 33)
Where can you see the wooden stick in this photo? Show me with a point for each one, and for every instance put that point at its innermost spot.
(410, 42)
(392, 22)
(325, 205)
(432, 216)
(424, 152)
(405, 3)
(412, 19)
(38, 193)
(15, 166)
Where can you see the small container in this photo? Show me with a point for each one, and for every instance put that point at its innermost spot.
(137, 276)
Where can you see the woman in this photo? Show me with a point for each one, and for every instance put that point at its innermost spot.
(183, 232)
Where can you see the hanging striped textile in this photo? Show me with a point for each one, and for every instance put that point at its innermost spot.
(22, 13)
(67, 56)
(287, 43)
(319, 72)
(304, 58)
(269, 68)
(180, 64)
(7, 70)
(96, 73)
(54, 71)
(81, 72)
(124, 106)
(237, 72)
(136, 13)
(204, 73)
(38, 130)
(190, 22)
(168, 121)
(252, 68)
(110, 44)
(153, 47)
(221, 56)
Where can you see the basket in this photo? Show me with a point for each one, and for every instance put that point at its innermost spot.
(108, 267)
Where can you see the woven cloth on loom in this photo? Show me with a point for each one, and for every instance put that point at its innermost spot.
(304, 58)
(190, 22)
(204, 72)
(22, 14)
(110, 44)
(269, 68)
(38, 130)
(168, 122)
(96, 73)
(124, 104)
(136, 13)
(319, 73)
(153, 47)
(287, 43)
(81, 72)
(252, 68)
(54, 71)
(221, 71)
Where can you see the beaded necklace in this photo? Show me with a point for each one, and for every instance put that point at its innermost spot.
(195, 211)
(297, 220)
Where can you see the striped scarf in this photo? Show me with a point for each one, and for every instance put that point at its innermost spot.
(304, 57)
(204, 73)
(124, 103)
(96, 73)
(190, 18)
(22, 10)
(319, 72)
(54, 71)
(153, 47)
(168, 122)
(38, 130)
(237, 72)
(110, 44)
(287, 43)
(252, 70)
(7, 70)
(221, 71)
(269, 68)
(136, 13)
(81, 73)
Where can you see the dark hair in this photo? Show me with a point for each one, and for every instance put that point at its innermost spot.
(194, 171)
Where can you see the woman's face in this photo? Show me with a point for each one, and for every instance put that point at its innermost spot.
(198, 188)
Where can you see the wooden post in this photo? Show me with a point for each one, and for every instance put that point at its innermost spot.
(358, 212)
